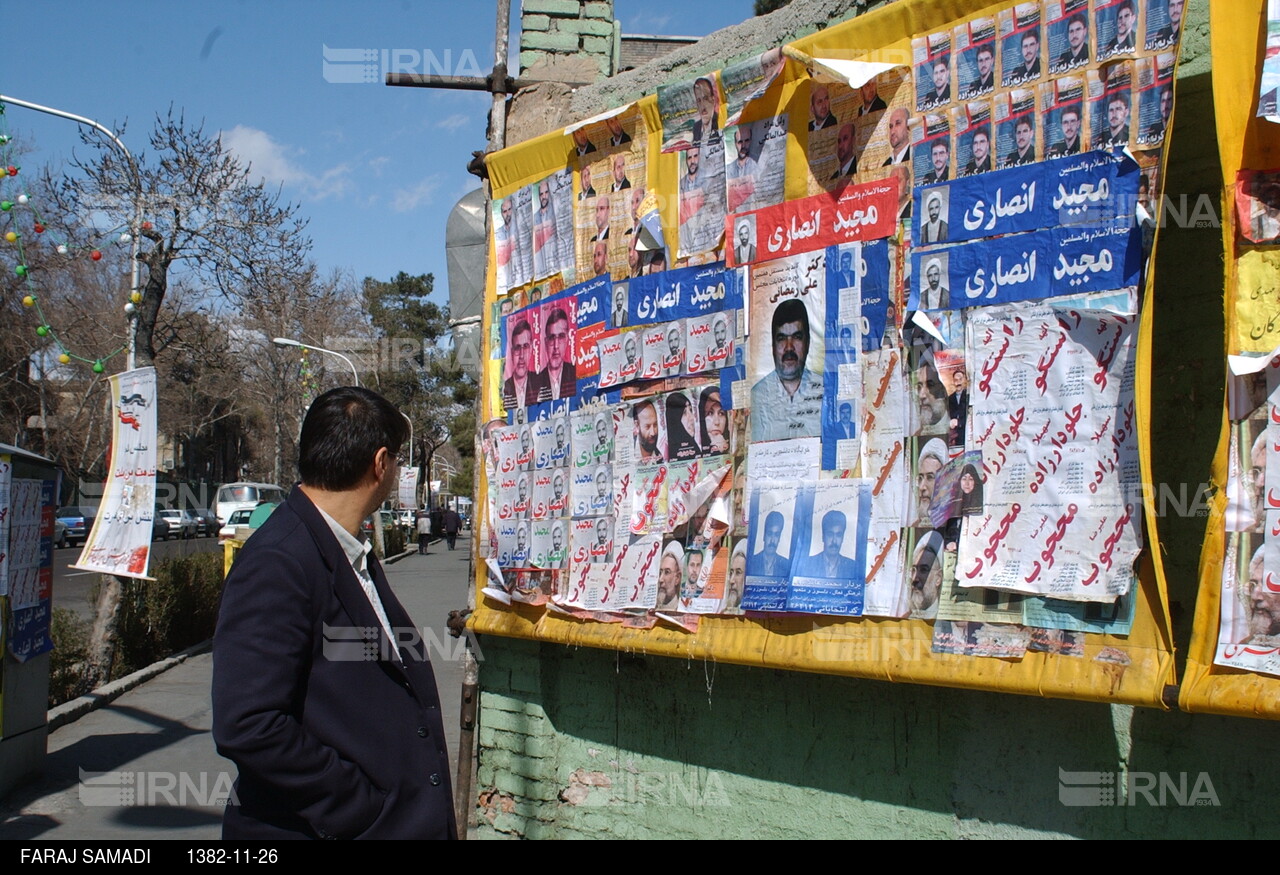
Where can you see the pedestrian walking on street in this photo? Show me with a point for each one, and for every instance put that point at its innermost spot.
(452, 523)
(424, 531)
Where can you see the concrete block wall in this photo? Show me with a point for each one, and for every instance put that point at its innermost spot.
(567, 40)
(582, 743)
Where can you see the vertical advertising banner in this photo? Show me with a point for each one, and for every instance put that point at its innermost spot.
(408, 491)
(120, 541)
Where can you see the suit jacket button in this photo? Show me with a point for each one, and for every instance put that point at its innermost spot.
(434, 779)
(422, 732)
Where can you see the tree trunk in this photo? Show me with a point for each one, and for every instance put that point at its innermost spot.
(102, 643)
(148, 312)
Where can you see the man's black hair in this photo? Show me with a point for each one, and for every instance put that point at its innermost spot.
(557, 316)
(834, 518)
(343, 431)
(790, 310)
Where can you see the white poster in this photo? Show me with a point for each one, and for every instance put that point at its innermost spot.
(1053, 415)
(408, 487)
(120, 541)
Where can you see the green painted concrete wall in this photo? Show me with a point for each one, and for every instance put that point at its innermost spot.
(580, 743)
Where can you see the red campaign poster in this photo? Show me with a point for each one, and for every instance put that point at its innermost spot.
(867, 211)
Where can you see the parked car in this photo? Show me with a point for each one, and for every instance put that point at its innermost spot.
(208, 522)
(238, 518)
(159, 528)
(180, 524)
(59, 533)
(78, 520)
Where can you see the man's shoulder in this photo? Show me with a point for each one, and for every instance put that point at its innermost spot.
(284, 532)
(765, 383)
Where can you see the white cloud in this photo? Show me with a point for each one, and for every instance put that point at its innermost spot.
(453, 122)
(647, 22)
(411, 198)
(278, 164)
(376, 164)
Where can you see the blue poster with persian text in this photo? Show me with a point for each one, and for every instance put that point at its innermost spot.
(1081, 189)
(679, 294)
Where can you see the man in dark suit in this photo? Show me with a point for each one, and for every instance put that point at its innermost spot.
(323, 696)
(957, 406)
(820, 106)
(1030, 67)
(587, 190)
(899, 138)
(981, 148)
(846, 160)
(1069, 122)
(1117, 133)
(560, 376)
(845, 429)
(829, 563)
(1168, 35)
(871, 99)
(1077, 52)
(1126, 37)
(941, 71)
(940, 154)
(1156, 130)
(523, 388)
(986, 81)
(581, 143)
(1024, 151)
(617, 136)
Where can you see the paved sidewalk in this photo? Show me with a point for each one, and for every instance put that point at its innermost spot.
(162, 728)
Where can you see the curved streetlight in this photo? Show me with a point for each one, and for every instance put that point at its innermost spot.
(288, 341)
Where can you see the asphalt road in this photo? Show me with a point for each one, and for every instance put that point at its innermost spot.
(72, 588)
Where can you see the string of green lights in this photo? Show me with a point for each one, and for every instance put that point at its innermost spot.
(22, 205)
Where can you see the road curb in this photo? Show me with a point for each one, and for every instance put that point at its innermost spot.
(69, 712)
(396, 558)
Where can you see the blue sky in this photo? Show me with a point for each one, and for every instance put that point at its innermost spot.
(376, 169)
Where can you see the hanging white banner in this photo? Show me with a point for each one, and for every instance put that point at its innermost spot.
(120, 541)
(409, 487)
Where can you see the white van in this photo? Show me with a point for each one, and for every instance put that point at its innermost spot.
(245, 496)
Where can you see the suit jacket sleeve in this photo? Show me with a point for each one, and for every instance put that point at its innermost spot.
(263, 650)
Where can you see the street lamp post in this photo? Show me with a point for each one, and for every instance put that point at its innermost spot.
(288, 341)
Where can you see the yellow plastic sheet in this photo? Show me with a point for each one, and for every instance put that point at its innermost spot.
(1237, 34)
(1257, 301)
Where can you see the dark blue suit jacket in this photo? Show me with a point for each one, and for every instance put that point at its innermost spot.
(330, 743)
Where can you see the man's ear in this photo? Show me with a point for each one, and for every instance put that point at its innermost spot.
(381, 459)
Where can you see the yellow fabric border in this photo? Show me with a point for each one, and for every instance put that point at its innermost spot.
(886, 649)
(1243, 141)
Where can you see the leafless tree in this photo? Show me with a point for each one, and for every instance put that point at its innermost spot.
(197, 203)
